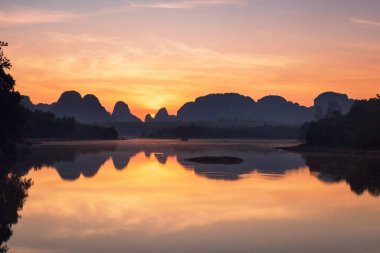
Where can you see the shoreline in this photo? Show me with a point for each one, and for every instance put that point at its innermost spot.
(301, 148)
(332, 150)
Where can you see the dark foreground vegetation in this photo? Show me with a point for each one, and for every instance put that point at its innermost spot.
(360, 128)
(361, 172)
(233, 132)
(47, 125)
(13, 194)
(17, 123)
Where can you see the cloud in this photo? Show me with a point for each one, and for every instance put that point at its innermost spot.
(211, 58)
(365, 22)
(184, 4)
(160, 60)
(81, 38)
(19, 16)
(33, 16)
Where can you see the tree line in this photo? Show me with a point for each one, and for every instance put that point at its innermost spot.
(17, 123)
(360, 128)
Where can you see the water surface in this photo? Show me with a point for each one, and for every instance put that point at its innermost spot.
(142, 196)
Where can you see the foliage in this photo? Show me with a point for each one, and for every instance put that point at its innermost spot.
(359, 128)
(360, 171)
(47, 125)
(13, 193)
(12, 114)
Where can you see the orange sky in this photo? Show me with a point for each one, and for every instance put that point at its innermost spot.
(152, 54)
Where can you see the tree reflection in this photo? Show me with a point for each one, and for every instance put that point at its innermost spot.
(13, 194)
(361, 172)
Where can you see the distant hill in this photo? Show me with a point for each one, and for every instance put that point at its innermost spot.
(278, 109)
(233, 106)
(40, 107)
(86, 110)
(163, 116)
(216, 107)
(330, 102)
(148, 118)
(227, 107)
(121, 113)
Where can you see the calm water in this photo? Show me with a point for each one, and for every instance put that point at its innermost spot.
(141, 196)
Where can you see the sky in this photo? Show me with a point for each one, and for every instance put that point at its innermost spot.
(152, 54)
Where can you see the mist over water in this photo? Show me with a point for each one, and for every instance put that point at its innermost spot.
(143, 196)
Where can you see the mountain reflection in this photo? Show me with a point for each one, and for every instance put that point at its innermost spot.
(13, 194)
(361, 172)
(71, 161)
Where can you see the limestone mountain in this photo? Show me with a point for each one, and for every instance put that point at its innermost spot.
(87, 109)
(236, 107)
(148, 118)
(163, 116)
(216, 107)
(230, 107)
(330, 102)
(122, 113)
(278, 109)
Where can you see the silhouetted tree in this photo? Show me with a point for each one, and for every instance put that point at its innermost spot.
(359, 128)
(362, 173)
(47, 125)
(12, 113)
(13, 193)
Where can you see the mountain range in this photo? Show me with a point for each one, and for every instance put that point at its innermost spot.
(210, 108)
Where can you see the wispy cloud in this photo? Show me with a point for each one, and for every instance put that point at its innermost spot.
(16, 16)
(81, 38)
(366, 22)
(184, 4)
(33, 16)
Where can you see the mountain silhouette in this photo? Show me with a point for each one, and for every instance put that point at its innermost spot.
(330, 102)
(215, 107)
(148, 118)
(233, 106)
(27, 103)
(230, 107)
(163, 116)
(278, 109)
(87, 109)
(121, 113)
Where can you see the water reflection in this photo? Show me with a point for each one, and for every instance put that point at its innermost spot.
(13, 193)
(72, 160)
(144, 197)
(361, 172)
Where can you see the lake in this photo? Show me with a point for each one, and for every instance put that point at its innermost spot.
(143, 196)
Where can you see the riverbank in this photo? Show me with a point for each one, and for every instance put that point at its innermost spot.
(303, 148)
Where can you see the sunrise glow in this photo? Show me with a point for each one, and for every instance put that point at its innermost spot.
(152, 54)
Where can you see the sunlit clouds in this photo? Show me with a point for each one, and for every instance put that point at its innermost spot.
(33, 16)
(152, 54)
(183, 4)
(365, 22)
